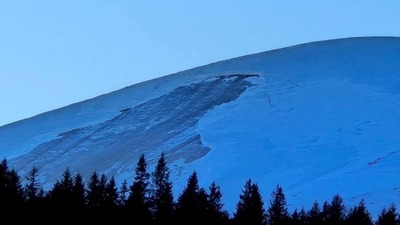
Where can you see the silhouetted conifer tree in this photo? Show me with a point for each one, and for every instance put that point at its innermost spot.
(102, 187)
(138, 202)
(325, 213)
(14, 190)
(335, 212)
(3, 182)
(192, 203)
(215, 198)
(11, 193)
(303, 216)
(35, 197)
(388, 216)
(314, 215)
(33, 190)
(277, 211)
(202, 212)
(359, 215)
(162, 198)
(95, 192)
(78, 192)
(61, 194)
(111, 194)
(123, 193)
(298, 218)
(215, 206)
(250, 208)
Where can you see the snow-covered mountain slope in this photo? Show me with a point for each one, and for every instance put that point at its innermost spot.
(318, 119)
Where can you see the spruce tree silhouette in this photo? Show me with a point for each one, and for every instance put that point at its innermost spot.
(61, 193)
(298, 218)
(277, 211)
(359, 215)
(215, 206)
(250, 208)
(192, 203)
(314, 215)
(325, 213)
(123, 193)
(78, 193)
(111, 195)
(335, 212)
(388, 216)
(162, 198)
(11, 192)
(303, 216)
(33, 190)
(102, 190)
(138, 202)
(96, 198)
(4, 201)
(95, 192)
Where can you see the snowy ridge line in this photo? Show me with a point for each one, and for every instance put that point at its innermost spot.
(308, 117)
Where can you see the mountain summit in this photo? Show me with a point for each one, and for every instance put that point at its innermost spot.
(318, 119)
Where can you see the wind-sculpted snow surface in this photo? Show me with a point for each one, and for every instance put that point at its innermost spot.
(318, 119)
(165, 124)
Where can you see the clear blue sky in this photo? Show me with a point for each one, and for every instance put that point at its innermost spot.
(54, 53)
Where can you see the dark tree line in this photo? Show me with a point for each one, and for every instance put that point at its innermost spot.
(149, 200)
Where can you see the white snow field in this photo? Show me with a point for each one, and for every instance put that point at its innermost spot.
(318, 119)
